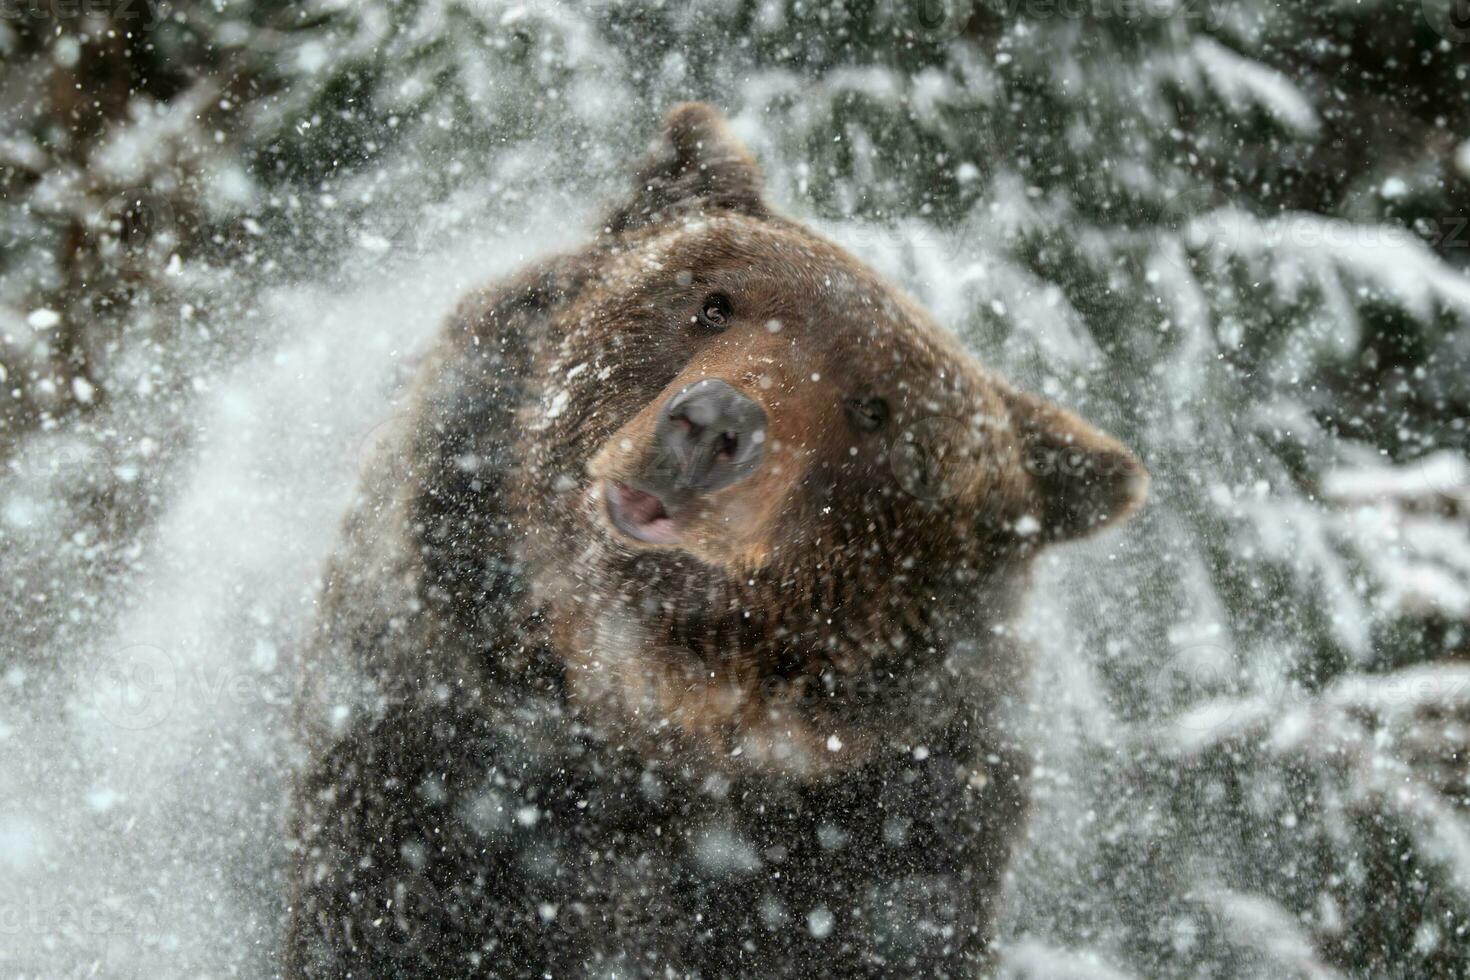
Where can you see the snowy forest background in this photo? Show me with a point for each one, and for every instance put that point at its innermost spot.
(1233, 233)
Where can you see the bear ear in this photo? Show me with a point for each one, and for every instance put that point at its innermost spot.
(1081, 480)
(698, 165)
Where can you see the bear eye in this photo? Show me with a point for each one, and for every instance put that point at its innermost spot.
(715, 312)
(867, 414)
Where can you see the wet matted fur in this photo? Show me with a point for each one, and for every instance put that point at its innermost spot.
(535, 746)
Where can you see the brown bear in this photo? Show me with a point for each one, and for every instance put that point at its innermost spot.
(670, 632)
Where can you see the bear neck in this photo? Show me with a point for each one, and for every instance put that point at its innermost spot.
(784, 671)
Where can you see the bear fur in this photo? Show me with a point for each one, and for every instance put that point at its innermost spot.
(535, 746)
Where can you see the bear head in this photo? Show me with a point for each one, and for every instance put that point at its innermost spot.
(776, 504)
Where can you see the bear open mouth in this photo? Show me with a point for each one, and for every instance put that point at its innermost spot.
(639, 515)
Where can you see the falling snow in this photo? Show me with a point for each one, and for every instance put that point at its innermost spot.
(1232, 235)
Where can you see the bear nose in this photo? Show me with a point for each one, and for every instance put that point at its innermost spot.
(710, 436)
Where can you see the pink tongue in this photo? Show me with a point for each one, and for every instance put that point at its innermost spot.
(640, 514)
(639, 506)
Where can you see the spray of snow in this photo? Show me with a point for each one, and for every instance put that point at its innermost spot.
(140, 825)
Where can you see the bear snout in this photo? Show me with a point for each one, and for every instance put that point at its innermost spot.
(708, 437)
(689, 472)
